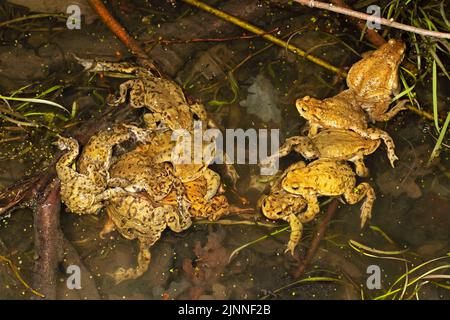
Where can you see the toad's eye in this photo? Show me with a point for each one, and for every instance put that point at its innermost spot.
(294, 187)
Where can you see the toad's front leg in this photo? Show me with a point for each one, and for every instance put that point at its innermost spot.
(354, 195)
(124, 88)
(387, 115)
(360, 167)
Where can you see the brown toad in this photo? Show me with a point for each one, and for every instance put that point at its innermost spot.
(84, 191)
(334, 144)
(342, 112)
(282, 205)
(163, 97)
(374, 79)
(327, 178)
(137, 216)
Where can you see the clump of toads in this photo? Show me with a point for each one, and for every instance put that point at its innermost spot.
(338, 132)
(145, 191)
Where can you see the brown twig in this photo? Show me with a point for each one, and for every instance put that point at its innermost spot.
(331, 210)
(47, 241)
(367, 17)
(122, 34)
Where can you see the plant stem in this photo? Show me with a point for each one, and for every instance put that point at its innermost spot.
(30, 17)
(437, 147)
(331, 210)
(122, 34)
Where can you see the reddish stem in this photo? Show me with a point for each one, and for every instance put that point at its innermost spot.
(331, 210)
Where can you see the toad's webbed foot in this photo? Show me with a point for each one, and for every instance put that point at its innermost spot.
(386, 116)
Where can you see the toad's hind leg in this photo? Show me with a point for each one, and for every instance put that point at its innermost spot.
(107, 66)
(354, 195)
(110, 193)
(144, 258)
(296, 222)
(374, 134)
(296, 233)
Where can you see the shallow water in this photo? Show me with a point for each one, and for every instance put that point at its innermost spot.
(409, 224)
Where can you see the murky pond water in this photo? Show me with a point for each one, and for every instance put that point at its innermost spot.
(244, 83)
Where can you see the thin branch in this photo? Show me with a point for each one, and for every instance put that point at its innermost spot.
(331, 210)
(367, 17)
(47, 241)
(122, 34)
(31, 17)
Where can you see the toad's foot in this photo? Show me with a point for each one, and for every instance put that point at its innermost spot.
(302, 145)
(140, 134)
(296, 233)
(400, 106)
(123, 93)
(176, 221)
(154, 122)
(64, 143)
